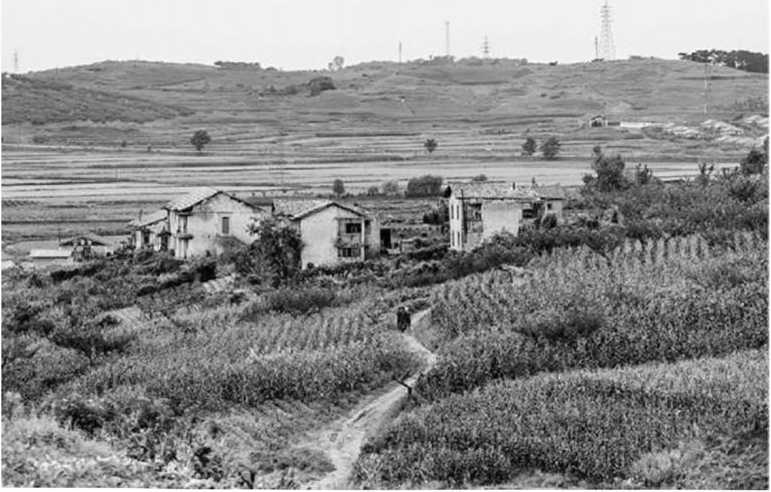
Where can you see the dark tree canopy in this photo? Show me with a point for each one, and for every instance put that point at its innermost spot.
(338, 187)
(427, 185)
(199, 139)
(430, 145)
(550, 148)
(530, 146)
(275, 254)
(748, 61)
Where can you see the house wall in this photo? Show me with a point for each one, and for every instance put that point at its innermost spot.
(500, 216)
(556, 208)
(456, 223)
(320, 233)
(204, 223)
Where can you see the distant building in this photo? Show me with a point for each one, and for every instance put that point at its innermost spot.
(203, 220)
(44, 257)
(598, 121)
(479, 211)
(86, 246)
(331, 232)
(151, 231)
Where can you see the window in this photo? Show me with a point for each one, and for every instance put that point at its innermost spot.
(348, 252)
(353, 228)
(225, 226)
(528, 213)
(452, 212)
(548, 206)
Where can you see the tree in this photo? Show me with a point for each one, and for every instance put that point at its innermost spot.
(430, 145)
(427, 185)
(338, 187)
(550, 148)
(643, 175)
(480, 178)
(609, 174)
(529, 147)
(391, 188)
(755, 160)
(705, 173)
(275, 254)
(373, 191)
(199, 139)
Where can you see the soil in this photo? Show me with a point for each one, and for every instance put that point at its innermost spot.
(341, 441)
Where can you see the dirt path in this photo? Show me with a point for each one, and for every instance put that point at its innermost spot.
(342, 440)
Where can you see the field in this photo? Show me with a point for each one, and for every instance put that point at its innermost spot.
(595, 353)
(99, 161)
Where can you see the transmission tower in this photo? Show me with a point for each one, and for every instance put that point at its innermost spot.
(607, 47)
(16, 62)
(486, 48)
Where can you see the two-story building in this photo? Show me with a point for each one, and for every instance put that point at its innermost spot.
(331, 232)
(479, 211)
(200, 221)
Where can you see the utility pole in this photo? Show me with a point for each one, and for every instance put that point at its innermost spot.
(400, 51)
(447, 38)
(596, 48)
(16, 61)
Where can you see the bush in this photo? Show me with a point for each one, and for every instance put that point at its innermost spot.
(299, 300)
(550, 148)
(424, 186)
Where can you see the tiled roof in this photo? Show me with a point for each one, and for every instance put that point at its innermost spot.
(95, 240)
(196, 196)
(297, 209)
(506, 191)
(491, 190)
(149, 219)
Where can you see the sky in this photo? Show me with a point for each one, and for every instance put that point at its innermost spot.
(307, 34)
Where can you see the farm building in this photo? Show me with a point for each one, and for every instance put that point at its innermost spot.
(331, 232)
(86, 246)
(203, 220)
(43, 257)
(479, 211)
(151, 231)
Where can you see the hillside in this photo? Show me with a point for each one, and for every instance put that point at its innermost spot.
(40, 101)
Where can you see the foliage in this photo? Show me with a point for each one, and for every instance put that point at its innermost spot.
(671, 300)
(430, 144)
(755, 161)
(610, 174)
(438, 215)
(199, 139)
(530, 146)
(391, 188)
(550, 148)
(742, 59)
(317, 85)
(338, 187)
(424, 186)
(593, 425)
(300, 300)
(479, 178)
(274, 256)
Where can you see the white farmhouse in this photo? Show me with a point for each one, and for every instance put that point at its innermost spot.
(331, 232)
(200, 222)
(479, 211)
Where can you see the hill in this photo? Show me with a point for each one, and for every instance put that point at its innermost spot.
(40, 101)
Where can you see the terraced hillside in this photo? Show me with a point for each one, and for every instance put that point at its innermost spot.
(370, 129)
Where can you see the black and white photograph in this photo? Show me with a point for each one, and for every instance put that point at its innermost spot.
(385, 244)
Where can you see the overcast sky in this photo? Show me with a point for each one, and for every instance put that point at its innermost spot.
(294, 34)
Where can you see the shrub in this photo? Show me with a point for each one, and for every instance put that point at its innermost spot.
(424, 186)
(299, 300)
(550, 148)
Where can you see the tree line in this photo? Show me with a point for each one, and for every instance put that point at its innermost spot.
(748, 61)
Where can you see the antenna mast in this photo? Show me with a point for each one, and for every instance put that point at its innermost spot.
(486, 48)
(16, 61)
(596, 48)
(447, 37)
(607, 47)
(400, 51)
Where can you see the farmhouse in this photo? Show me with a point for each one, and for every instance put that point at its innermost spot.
(86, 246)
(151, 231)
(203, 220)
(479, 211)
(331, 232)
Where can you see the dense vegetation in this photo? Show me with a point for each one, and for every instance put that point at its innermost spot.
(749, 61)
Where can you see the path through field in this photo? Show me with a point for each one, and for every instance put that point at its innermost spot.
(341, 441)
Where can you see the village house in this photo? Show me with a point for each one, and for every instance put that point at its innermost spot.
(331, 232)
(86, 246)
(151, 231)
(479, 211)
(201, 222)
